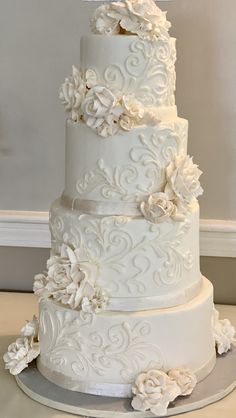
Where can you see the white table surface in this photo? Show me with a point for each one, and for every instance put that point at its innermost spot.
(15, 308)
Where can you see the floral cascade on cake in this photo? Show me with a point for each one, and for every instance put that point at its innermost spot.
(123, 287)
(68, 281)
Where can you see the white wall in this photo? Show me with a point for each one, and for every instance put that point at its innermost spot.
(39, 40)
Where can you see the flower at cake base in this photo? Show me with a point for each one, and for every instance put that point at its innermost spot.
(157, 208)
(154, 390)
(182, 178)
(96, 303)
(185, 379)
(101, 111)
(223, 332)
(19, 355)
(24, 350)
(31, 329)
(72, 93)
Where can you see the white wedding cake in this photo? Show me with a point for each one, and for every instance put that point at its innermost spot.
(124, 310)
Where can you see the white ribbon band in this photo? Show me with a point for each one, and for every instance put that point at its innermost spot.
(154, 302)
(118, 390)
(92, 207)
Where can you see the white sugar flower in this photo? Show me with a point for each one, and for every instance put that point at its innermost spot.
(105, 21)
(31, 329)
(133, 107)
(185, 379)
(158, 208)
(154, 390)
(72, 93)
(39, 286)
(126, 122)
(182, 178)
(19, 355)
(223, 332)
(96, 303)
(70, 278)
(101, 111)
(66, 278)
(143, 18)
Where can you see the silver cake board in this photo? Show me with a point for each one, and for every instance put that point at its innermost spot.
(216, 386)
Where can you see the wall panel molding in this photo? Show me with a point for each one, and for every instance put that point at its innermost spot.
(30, 229)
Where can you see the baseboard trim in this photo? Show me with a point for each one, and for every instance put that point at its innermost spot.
(24, 229)
(30, 229)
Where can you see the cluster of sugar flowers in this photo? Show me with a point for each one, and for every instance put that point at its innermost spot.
(24, 350)
(103, 110)
(223, 332)
(140, 17)
(69, 281)
(154, 389)
(180, 187)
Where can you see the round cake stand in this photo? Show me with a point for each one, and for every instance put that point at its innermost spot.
(217, 385)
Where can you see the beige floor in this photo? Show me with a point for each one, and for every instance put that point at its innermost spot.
(14, 309)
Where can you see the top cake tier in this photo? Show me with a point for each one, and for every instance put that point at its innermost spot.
(133, 66)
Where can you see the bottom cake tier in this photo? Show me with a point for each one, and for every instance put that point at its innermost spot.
(103, 354)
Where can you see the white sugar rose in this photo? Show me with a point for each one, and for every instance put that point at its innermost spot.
(185, 379)
(19, 355)
(66, 279)
(96, 303)
(182, 178)
(223, 332)
(135, 16)
(70, 279)
(72, 93)
(101, 111)
(75, 293)
(154, 390)
(143, 18)
(105, 21)
(39, 286)
(132, 107)
(157, 208)
(126, 123)
(31, 329)
(108, 127)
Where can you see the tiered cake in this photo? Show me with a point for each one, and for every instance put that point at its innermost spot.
(123, 306)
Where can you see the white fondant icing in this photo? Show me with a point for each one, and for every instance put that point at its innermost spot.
(133, 66)
(103, 354)
(127, 168)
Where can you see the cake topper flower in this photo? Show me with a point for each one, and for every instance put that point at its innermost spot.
(140, 17)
